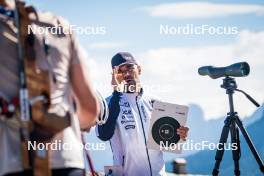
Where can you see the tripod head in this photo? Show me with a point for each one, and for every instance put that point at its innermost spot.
(229, 84)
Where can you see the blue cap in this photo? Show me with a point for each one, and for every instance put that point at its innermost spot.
(122, 58)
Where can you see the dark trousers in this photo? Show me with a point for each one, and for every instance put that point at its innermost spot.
(55, 172)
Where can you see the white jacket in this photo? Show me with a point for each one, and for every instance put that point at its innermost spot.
(127, 129)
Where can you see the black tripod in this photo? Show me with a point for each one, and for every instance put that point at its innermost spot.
(233, 124)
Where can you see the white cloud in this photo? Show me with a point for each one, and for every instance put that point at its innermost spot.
(106, 45)
(202, 10)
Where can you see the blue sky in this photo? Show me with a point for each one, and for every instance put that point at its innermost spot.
(126, 23)
(170, 62)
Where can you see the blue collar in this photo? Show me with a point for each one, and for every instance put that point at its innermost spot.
(140, 93)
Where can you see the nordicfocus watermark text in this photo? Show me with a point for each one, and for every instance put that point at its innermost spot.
(58, 145)
(70, 29)
(190, 29)
(191, 145)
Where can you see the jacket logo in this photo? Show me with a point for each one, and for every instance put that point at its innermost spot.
(129, 127)
(144, 113)
(127, 121)
(125, 104)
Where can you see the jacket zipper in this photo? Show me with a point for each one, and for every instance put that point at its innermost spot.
(145, 140)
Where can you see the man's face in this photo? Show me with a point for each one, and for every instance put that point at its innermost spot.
(130, 74)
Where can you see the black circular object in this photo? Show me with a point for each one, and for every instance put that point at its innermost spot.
(165, 130)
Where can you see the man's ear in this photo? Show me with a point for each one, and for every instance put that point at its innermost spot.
(139, 69)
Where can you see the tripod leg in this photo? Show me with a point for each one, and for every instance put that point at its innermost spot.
(235, 151)
(250, 144)
(220, 151)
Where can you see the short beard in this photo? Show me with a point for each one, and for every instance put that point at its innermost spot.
(132, 87)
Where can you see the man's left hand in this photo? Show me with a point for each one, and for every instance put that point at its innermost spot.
(183, 132)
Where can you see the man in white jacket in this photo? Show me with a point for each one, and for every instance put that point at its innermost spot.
(129, 119)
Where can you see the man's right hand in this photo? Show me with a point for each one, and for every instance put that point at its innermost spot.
(117, 80)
